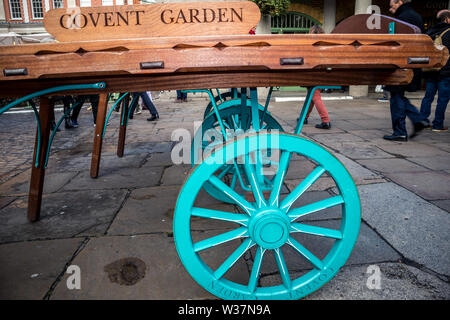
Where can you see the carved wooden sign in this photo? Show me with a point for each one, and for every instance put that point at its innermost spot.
(152, 20)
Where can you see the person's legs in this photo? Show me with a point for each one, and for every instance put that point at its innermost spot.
(148, 103)
(430, 92)
(94, 99)
(414, 115)
(67, 101)
(398, 114)
(317, 100)
(443, 98)
(150, 106)
(179, 96)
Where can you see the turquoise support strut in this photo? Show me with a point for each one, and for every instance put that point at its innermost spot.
(110, 111)
(98, 85)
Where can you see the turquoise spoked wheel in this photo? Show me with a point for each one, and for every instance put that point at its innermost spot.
(226, 96)
(274, 234)
(238, 121)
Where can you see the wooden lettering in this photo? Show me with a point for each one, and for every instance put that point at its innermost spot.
(164, 15)
(234, 13)
(108, 19)
(205, 15)
(94, 22)
(151, 20)
(121, 17)
(222, 12)
(194, 16)
(181, 16)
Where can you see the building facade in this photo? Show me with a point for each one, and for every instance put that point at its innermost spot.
(26, 16)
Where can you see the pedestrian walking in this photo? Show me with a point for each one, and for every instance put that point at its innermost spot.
(400, 105)
(438, 81)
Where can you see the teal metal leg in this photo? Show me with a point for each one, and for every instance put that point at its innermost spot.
(110, 112)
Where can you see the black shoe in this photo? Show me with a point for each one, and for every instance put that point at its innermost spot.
(306, 121)
(395, 138)
(418, 126)
(68, 124)
(153, 117)
(323, 125)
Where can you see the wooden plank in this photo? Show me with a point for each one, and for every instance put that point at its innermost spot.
(38, 174)
(323, 54)
(209, 80)
(211, 41)
(158, 20)
(98, 135)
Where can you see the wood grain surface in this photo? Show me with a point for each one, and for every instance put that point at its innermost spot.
(224, 54)
(152, 20)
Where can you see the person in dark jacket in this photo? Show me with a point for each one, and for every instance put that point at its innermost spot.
(438, 81)
(400, 106)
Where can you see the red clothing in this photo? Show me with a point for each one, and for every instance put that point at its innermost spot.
(317, 101)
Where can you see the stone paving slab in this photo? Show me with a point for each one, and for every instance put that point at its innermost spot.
(29, 269)
(417, 229)
(392, 165)
(175, 175)
(108, 163)
(164, 277)
(398, 282)
(20, 184)
(443, 204)
(356, 151)
(63, 215)
(433, 163)
(412, 149)
(121, 178)
(431, 185)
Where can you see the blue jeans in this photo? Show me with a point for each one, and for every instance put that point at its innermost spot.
(181, 95)
(442, 87)
(400, 109)
(147, 102)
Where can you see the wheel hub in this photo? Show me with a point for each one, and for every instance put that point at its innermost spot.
(269, 228)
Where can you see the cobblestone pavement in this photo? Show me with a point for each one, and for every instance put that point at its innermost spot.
(124, 217)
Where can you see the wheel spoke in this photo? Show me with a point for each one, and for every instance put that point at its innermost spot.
(220, 215)
(278, 180)
(230, 193)
(283, 268)
(221, 238)
(318, 231)
(231, 260)
(256, 188)
(306, 253)
(256, 268)
(296, 213)
(224, 171)
(301, 188)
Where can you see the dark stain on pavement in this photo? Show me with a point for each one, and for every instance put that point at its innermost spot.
(127, 271)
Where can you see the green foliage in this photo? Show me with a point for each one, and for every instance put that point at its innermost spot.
(272, 7)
